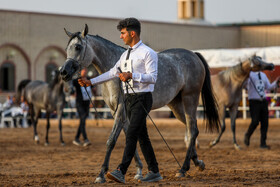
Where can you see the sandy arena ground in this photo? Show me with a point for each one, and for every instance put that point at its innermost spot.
(23, 163)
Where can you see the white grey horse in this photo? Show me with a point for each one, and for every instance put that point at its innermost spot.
(182, 76)
(228, 84)
(41, 95)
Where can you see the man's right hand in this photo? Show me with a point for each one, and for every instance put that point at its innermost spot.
(84, 82)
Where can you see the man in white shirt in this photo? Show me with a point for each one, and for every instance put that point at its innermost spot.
(139, 65)
(257, 84)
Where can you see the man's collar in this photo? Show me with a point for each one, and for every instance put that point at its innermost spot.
(137, 45)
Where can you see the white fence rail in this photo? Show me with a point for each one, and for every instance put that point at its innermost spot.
(244, 108)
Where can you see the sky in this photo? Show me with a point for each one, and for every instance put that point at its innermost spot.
(99, 8)
(216, 11)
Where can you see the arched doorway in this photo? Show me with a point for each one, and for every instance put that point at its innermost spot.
(7, 77)
(48, 59)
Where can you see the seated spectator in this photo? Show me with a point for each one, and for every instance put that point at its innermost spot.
(8, 103)
(24, 106)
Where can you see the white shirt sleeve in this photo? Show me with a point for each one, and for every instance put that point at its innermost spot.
(268, 85)
(151, 66)
(109, 75)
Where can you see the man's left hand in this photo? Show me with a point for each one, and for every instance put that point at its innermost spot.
(125, 76)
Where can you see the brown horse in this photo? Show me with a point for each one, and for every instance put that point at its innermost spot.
(227, 86)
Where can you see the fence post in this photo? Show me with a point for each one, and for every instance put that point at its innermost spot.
(244, 103)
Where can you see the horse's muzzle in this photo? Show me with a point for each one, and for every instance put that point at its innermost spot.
(69, 68)
(270, 67)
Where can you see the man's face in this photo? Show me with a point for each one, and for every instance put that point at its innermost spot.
(83, 73)
(126, 36)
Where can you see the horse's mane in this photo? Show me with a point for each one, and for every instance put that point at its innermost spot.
(55, 80)
(226, 74)
(108, 42)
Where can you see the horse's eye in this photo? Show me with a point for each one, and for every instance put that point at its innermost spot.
(78, 47)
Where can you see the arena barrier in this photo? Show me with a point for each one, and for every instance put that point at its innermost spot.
(244, 107)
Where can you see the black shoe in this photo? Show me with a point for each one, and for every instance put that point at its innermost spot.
(116, 175)
(246, 140)
(152, 177)
(265, 146)
(86, 143)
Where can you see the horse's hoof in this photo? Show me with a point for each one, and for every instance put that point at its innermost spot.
(237, 147)
(200, 165)
(62, 144)
(180, 175)
(212, 144)
(47, 143)
(100, 180)
(138, 177)
(36, 139)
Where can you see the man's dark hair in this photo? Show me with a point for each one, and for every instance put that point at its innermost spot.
(131, 24)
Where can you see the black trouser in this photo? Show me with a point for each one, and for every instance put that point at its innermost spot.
(83, 110)
(259, 113)
(137, 130)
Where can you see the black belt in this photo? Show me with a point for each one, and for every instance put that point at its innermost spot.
(264, 99)
(138, 93)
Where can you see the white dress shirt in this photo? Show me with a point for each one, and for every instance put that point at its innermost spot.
(144, 69)
(256, 87)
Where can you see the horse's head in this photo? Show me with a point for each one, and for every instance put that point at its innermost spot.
(79, 54)
(56, 78)
(257, 64)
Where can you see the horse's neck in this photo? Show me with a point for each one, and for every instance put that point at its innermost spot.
(57, 88)
(106, 53)
(239, 74)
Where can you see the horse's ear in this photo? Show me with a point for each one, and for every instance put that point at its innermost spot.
(85, 31)
(68, 33)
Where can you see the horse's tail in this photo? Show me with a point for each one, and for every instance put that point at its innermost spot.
(208, 99)
(20, 89)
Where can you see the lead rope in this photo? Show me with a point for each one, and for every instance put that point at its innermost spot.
(96, 113)
(127, 83)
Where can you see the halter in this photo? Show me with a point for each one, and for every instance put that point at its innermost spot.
(252, 63)
(79, 38)
(80, 68)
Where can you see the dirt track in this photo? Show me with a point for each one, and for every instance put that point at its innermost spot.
(23, 163)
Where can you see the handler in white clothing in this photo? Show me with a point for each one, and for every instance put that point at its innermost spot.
(257, 84)
(139, 65)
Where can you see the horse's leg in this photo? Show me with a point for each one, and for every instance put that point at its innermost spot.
(47, 128)
(233, 112)
(177, 107)
(59, 116)
(31, 113)
(32, 116)
(190, 106)
(222, 111)
(118, 125)
(37, 114)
